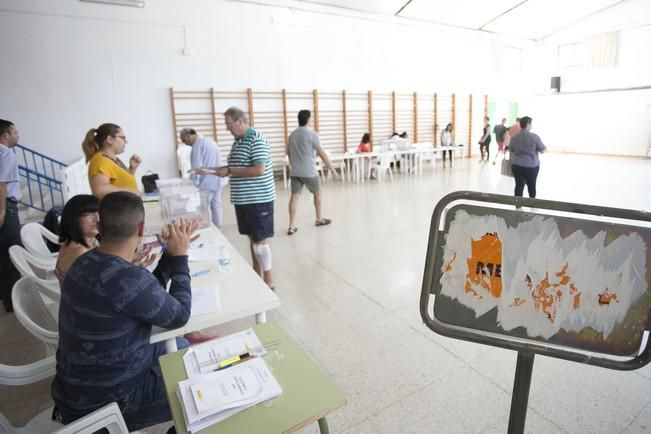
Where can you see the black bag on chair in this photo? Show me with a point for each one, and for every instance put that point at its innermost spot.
(149, 182)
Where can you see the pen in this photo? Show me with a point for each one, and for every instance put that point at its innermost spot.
(163, 247)
(200, 273)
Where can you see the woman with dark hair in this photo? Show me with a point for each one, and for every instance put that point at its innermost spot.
(106, 172)
(365, 144)
(447, 139)
(79, 234)
(78, 231)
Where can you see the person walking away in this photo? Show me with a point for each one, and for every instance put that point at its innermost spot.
(302, 145)
(485, 141)
(524, 149)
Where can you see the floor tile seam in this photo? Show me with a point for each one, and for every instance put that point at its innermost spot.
(437, 344)
(646, 407)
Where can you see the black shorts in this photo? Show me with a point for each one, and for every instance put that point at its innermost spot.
(256, 220)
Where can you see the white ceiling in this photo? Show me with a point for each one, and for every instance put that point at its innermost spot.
(530, 19)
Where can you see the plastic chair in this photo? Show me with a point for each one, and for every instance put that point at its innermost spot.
(109, 417)
(34, 266)
(381, 163)
(27, 374)
(33, 236)
(32, 312)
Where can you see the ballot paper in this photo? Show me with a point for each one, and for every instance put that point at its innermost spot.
(210, 398)
(205, 358)
(203, 253)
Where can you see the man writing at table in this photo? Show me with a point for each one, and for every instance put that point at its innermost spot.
(108, 307)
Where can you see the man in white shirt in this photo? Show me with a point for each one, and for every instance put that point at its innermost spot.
(205, 153)
(9, 223)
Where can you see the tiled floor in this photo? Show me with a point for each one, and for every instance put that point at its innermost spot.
(350, 295)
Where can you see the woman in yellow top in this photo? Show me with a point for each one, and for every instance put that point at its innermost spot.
(106, 173)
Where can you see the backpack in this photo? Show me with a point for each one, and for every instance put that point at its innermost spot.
(52, 223)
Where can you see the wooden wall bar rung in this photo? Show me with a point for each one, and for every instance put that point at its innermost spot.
(340, 117)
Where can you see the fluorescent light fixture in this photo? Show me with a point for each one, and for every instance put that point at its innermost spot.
(132, 3)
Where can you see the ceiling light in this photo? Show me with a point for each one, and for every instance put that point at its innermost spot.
(132, 3)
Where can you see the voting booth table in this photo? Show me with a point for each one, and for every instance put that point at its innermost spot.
(562, 280)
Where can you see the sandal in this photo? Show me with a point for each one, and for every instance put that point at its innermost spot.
(292, 231)
(323, 222)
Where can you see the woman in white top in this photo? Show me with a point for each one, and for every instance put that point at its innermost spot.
(447, 139)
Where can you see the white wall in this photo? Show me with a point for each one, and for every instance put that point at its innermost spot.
(603, 122)
(73, 65)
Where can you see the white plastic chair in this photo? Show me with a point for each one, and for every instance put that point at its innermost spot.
(381, 163)
(109, 417)
(27, 374)
(33, 236)
(33, 313)
(34, 266)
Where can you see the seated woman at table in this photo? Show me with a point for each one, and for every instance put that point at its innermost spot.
(447, 139)
(106, 172)
(78, 231)
(365, 145)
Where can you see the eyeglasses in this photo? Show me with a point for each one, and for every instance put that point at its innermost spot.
(122, 137)
(89, 215)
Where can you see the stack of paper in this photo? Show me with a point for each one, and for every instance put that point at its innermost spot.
(225, 376)
(210, 398)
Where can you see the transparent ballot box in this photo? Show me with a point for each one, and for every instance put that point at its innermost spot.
(179, 198)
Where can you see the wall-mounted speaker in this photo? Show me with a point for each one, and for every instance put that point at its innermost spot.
(556, 84)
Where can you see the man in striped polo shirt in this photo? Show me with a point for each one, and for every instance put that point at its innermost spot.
(252, 187)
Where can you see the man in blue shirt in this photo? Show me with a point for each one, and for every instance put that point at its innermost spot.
(9, 223)
(205, 153)
(108, 307)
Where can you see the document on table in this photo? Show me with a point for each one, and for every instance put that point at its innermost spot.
(205, 358)
(204, 253)
(205, 299)
(210, 398)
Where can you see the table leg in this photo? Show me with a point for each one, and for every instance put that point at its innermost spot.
(323, 426)
(260, 317)
(170, 345)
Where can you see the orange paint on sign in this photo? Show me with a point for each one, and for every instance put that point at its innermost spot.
(485, 266)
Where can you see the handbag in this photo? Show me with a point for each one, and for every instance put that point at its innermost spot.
(506, 167)
(149, 182)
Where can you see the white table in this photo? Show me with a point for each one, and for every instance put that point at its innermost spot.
(242, 291)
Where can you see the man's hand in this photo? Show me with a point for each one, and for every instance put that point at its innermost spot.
(223, 171)
(179, 236)
(134, 162)
(335, 175)
(144, 257)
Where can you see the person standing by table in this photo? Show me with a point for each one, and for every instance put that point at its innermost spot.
(302, 145)
(205, 153)
(447, 139)
(108, 307)
(9, 222)
(106, 172)
(524, 149)
(252, 188)
(485, 140)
